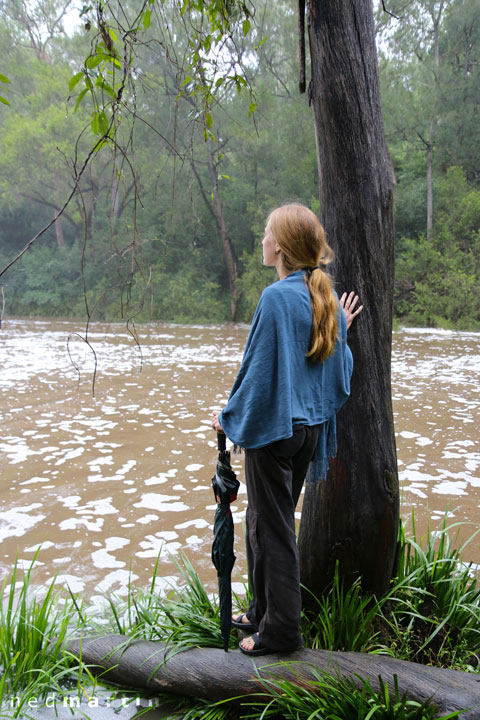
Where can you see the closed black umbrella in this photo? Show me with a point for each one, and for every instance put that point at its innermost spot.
(225, 487)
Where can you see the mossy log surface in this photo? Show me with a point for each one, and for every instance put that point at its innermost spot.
(213, 674)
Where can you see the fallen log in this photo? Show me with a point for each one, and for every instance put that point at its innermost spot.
(213, 674)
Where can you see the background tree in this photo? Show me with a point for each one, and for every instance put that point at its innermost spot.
(432, 74)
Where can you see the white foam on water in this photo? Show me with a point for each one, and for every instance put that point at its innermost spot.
(104, 559)
(41, 546)
(448, 487)
(146, 519)
(161, 503)
(15, 522)
(162, 477)
(155, 546)
(76, 584)
(74, 523)
(199, 523)
(194, 467)
(118, 579)
(27, 564)
(423, 441)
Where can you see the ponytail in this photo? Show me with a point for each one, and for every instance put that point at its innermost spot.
(324, 311)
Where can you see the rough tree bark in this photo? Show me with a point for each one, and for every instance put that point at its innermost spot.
(212, 674)
(353, 516)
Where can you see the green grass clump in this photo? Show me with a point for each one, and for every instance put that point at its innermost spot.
(344, 619)
(185, 616)
(33, 627)
(432, 613)
(324, 697)
(329, 698)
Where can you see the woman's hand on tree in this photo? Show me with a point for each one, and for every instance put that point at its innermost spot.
(348, 303)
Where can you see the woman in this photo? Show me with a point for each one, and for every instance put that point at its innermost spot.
(294, 377)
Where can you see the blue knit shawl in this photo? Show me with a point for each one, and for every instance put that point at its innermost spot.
(278, 386)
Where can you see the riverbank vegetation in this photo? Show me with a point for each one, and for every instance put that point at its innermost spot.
(430, 615)
(196, 207)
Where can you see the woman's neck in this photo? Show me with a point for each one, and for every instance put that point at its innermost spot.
(281, 271)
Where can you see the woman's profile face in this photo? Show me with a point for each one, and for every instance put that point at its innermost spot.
(269, 246)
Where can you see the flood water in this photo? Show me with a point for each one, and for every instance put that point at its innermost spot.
(105, 483)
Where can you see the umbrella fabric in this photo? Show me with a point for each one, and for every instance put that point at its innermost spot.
(225, 487)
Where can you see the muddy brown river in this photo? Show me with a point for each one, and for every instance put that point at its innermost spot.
(106, 483)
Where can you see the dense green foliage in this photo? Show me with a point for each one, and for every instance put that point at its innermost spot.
(143, 234)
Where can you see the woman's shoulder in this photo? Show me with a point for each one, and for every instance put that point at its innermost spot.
(286, 298)
(293, 283)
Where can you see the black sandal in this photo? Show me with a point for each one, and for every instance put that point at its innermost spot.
(258, 647)
(248, 627)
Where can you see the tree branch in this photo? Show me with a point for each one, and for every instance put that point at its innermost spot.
(388, 11)
(301, 38)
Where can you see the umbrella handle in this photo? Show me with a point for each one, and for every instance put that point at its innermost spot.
(221, 442)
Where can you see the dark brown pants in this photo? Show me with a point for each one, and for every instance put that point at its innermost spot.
(275, 476)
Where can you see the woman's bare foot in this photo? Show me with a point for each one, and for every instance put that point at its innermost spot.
(241, 617)
(248, 643)
(242, 623)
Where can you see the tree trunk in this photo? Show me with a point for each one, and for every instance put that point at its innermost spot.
(352, 517)
(430, 183)
(222, 229)
(59, 233)
(213, 674)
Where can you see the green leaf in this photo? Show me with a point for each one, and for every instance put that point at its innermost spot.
(246, 25)
(94, 60)
(4, 100)
(208, 120)
(101, 144)
(4, 78)
(80, 98)
(251, 109)
(74, 80)
(147, 18)
(100, 82)
(94, 124)
(103, 123)
(112, 34)
(219, 81)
